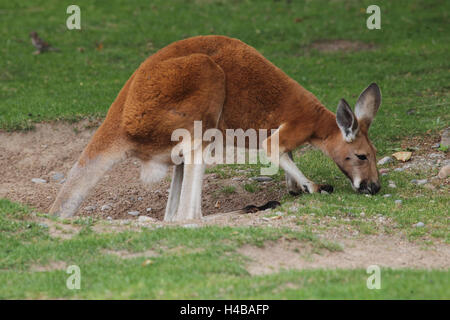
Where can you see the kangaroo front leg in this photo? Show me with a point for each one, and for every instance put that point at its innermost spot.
(190, 205)
(295, 175)
(288, 165)
(292, 186)
(175, 192)
(81, 178)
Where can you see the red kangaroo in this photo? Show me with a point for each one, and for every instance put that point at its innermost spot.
(226, 84)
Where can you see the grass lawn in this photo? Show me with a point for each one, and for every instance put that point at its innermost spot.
(187, 264)
(408, 59)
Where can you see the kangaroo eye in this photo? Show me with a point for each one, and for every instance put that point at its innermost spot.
(361, 156)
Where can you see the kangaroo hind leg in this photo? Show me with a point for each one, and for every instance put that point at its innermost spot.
(86, 172)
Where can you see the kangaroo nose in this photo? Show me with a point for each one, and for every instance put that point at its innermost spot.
(374, 187)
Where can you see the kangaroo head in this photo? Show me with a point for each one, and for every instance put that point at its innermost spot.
(352, 150)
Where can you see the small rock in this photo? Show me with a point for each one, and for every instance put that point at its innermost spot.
(383, 170)
(444, 172)
(133, 213)
(279, 213)
(38, 180)
(43, 225)
(385, 160)
(144, 219)
(148, 209)
(436, 155)
(140, 198)
(362, 214)
(436, 145)
(398, 202)
(392, 185)
(399, 169)
(324, 192)
(109, 218)
(402, 155)
(105, 207)
(421, 182)
(261, 178)
(57, 176)
(419, 225)
(90, 208)
(387, 195)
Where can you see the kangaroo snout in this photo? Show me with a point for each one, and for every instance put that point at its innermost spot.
(369, 187)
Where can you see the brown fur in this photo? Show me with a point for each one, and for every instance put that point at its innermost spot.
(184, 82)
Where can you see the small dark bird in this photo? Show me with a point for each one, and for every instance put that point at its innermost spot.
(40, 44)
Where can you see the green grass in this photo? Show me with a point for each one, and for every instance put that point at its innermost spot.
(203, 266)
(228, 189)
(409, 62)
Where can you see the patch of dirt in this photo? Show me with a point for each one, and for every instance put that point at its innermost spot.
(60, 230)
(54, 147)
(340, 45)
(374, 250)
(54, 265)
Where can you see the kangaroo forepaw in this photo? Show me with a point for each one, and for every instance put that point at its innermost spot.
(326, 188)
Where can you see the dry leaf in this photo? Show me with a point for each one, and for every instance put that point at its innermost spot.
(217, 205)
(99, 46)
(402, 155)
(147, 262)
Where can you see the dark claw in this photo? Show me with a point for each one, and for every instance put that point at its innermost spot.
(326, 187)
(269, 205)
(295, 193)
(250, 209)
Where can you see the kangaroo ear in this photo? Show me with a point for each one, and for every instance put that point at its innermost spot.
(368, 103)
(346, 121)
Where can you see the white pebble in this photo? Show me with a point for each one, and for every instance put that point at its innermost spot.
(385, 160)
(38, 180)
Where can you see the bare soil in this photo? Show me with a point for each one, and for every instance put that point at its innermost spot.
(383, 251)
(54, 147)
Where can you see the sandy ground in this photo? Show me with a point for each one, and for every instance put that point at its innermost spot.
(54, 148)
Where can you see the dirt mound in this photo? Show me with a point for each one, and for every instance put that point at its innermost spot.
(383, 251)
(340, 45)
(54, 148)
